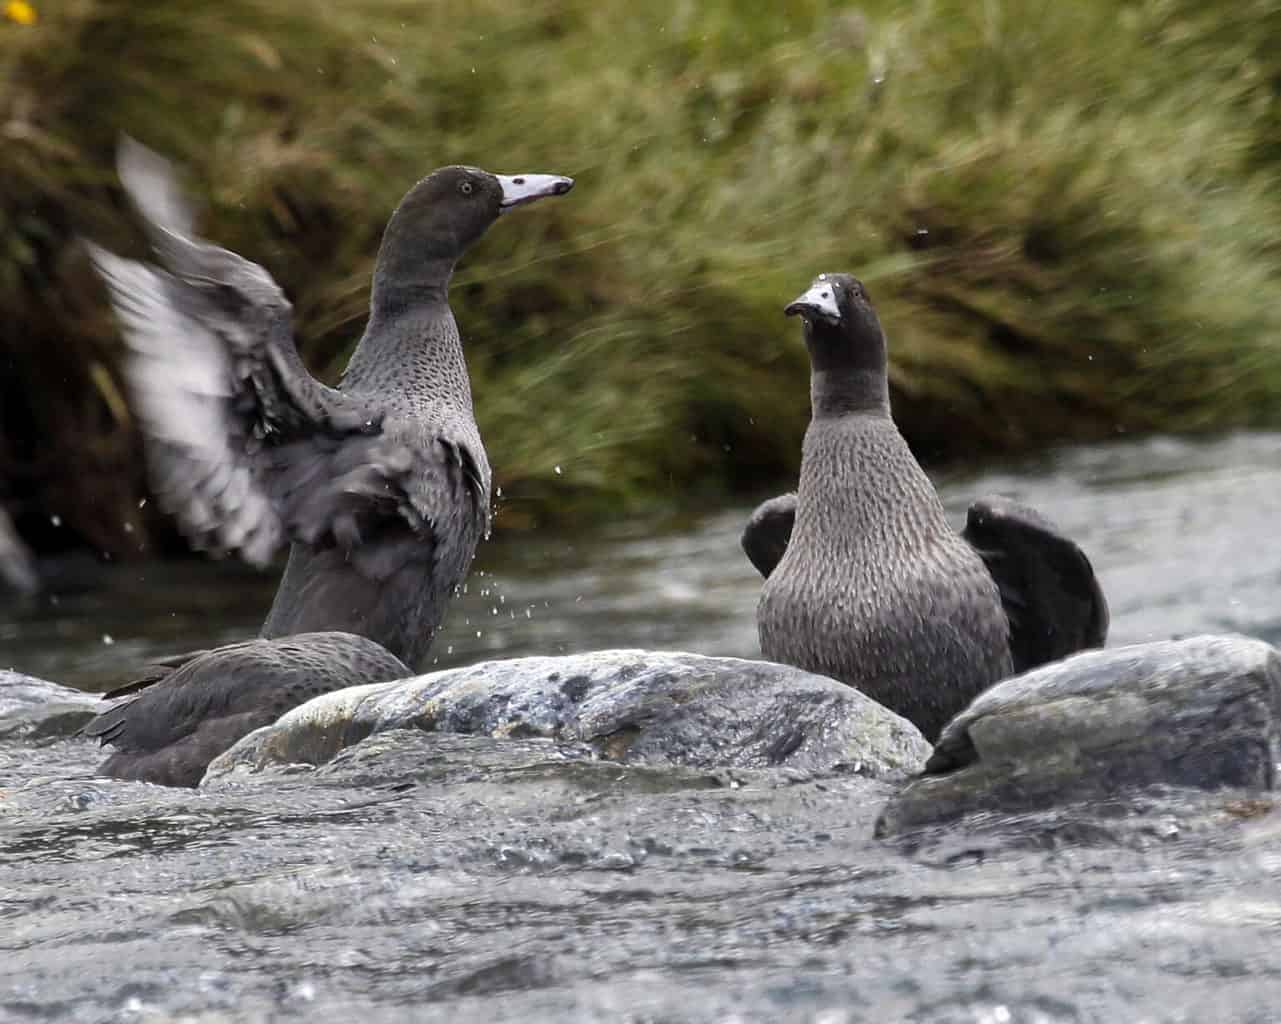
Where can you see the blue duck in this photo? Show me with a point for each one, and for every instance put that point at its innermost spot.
(380, 485)
(866, 581)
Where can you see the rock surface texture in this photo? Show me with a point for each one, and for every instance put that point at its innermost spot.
(1204, 712)
(629, 706)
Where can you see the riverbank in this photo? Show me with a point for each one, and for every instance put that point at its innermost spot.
(1068, 222)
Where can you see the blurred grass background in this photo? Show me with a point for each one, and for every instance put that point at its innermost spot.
(1066, 213)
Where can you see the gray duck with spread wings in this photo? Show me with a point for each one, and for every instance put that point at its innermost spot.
(865, 579)
(381, 486)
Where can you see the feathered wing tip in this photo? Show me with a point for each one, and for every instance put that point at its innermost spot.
(151, 182)
(768, 531)
(153, 672)
(181, 386)
(17, 567)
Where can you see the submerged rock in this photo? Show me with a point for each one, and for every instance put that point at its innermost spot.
(1203, 713)
(33, 708)
(628, 706)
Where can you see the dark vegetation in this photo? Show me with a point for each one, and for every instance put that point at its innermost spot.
(1067, 214)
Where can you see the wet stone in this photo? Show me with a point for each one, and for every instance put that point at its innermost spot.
(626, 706)
(32, 708)
(1202, 713)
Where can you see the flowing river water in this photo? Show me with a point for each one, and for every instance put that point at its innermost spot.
(494, 881)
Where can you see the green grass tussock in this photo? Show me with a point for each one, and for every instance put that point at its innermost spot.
(1066, 214)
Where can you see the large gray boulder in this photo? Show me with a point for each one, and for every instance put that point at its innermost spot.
(628, 706)
(1203, 712)
(32, 708)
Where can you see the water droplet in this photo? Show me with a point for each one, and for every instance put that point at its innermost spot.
(558, 471)
(142, 503)
(449, 649)
(128, 527)
(108, 639)
(56, 520)
(478, 632)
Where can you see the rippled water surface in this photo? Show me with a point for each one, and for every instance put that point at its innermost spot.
(1180, 533)
(495, 881)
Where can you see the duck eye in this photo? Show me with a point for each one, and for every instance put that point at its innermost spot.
(465, 188)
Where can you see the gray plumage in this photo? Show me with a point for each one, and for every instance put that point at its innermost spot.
(168, 734)
(381, 486)
(865, 579)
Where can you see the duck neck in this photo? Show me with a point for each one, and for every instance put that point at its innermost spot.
(410, 348)
(402, 283)
(848, 371)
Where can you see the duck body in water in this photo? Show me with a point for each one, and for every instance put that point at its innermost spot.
(168, 733)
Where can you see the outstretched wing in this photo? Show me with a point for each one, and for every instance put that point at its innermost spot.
(223, 399)
(767, 532)
(1052, 598)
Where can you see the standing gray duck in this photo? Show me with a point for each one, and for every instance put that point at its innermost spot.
(381, 486)
(865, 579)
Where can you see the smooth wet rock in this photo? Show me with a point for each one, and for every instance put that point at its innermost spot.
(628, 706)
(502, 772)
(1203, 713)
(33, 708)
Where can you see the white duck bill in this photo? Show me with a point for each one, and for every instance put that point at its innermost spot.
(525, 188)
(820, 300)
